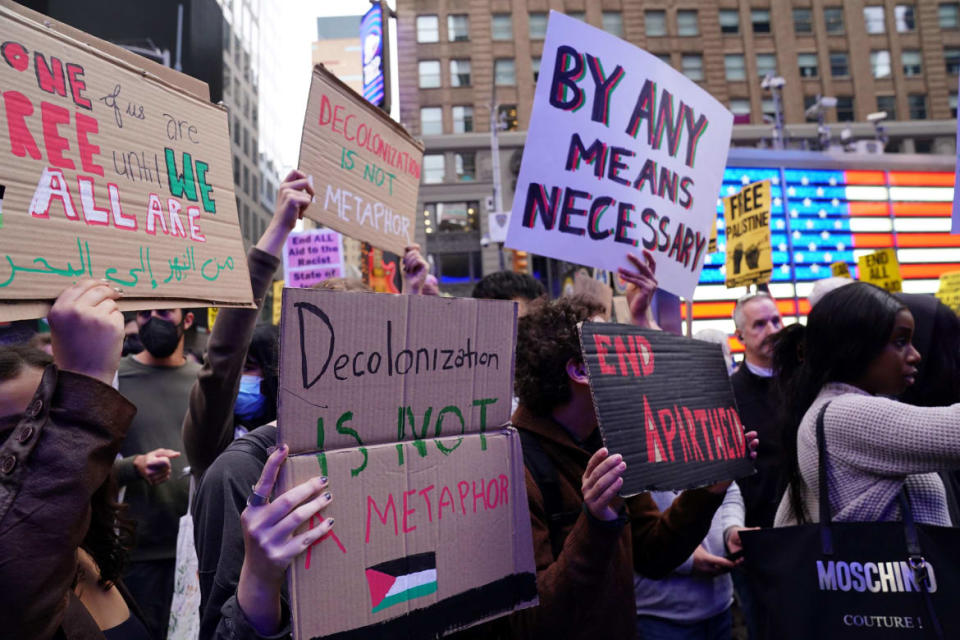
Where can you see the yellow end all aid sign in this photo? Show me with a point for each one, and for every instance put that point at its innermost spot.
(882, 269)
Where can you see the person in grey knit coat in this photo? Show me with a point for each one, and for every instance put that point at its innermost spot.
(856, 353)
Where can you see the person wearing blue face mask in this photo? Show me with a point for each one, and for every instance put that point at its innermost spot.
(256, 402)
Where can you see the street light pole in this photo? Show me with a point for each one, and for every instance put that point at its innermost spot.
(775, 85)
(495, 165)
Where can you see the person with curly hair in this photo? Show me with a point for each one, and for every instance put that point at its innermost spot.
(588, 541)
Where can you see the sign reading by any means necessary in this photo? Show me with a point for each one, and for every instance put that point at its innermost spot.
(365, 167)
(623, 153)
(110, 171)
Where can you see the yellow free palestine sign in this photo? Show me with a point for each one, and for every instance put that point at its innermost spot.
(882, 269)
(949, 291)
(747, 226)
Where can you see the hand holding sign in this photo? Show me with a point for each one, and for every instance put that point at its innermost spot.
(87, 330)
(641, 285)
(601, 482)
(270, 544)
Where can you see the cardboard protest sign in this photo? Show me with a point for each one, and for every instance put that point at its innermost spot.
(949, 290)
(365, 167)
(401, 402)
(586, 285)
(623, 153)
(666, 404)
(840, 269)
(110, 173)
(882, 269)
(746, 218)
(312, 256)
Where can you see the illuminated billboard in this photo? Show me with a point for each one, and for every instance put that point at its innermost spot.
(373, 47)
(823, 216)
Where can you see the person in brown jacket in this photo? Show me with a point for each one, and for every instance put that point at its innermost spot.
(61, 426)
(587, 550)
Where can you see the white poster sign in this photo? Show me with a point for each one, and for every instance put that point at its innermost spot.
(312, 256)
(623, 153)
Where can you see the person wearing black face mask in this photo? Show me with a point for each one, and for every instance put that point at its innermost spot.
(157, 380)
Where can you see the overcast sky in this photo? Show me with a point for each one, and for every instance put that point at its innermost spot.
(299, 22)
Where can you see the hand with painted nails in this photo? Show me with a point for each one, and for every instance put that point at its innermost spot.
(601, 481)
(641, 285)
(271, 543)
(417, 279)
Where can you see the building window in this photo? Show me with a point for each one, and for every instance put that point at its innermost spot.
(923, 145)
(428, 29)
(880, 64)
(845, 109)
(246, 180)
(952, 59)
(236, 171)
(450, 216)
(462, 119)
(888, 104)
(466, 166)
(918, 106)
(226, 36)
(460, 73)
(504, 72)
(535, 65)
(949, 15)
(664, 58)
(429, 74)
(687, 23)
(459, 268)
(431, 121)
(735, 66)
(760, 18)
(613, 23)
(577, 15)
(953, 104)
(768, 108)
(246, 141)
(904, 16)
(655, 23)
(458, 27)
(766, 64)
(501, 26)
(808, 65)
(740, 107)
(507, 116)
(839, 64)
(729, 21)
(833, 17)
(236, 131)
(912, 63)
(538, 26)
(226, 79)
(433, 168)
(691, 64)
(802, 21)
(874, 19)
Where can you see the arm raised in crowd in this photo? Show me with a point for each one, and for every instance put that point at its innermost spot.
(417, 279)
(208, 426)
(59, 452)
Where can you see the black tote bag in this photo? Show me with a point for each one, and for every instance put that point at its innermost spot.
(875, 580)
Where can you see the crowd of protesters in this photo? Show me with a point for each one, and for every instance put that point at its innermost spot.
(81, 558)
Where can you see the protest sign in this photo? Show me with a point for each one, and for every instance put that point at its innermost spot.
(401, 402)
(277, 301)
(621, 310)
(623, 153)
(882, 269)
(949, 291)
(212, 313)
(365, 167)
(712, 243)
(312, 256)
(586, 285)
(746, 217)
(666, 404)
(840, 269)
(111, 172)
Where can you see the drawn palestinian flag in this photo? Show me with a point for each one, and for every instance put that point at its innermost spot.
(402, 580)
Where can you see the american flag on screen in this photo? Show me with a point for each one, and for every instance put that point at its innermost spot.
(827, 216)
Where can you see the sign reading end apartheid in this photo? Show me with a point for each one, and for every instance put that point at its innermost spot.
(746, 217)
(623, 153)
(365, 167)
(111, 173)
(402, 402)
(666, 404)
